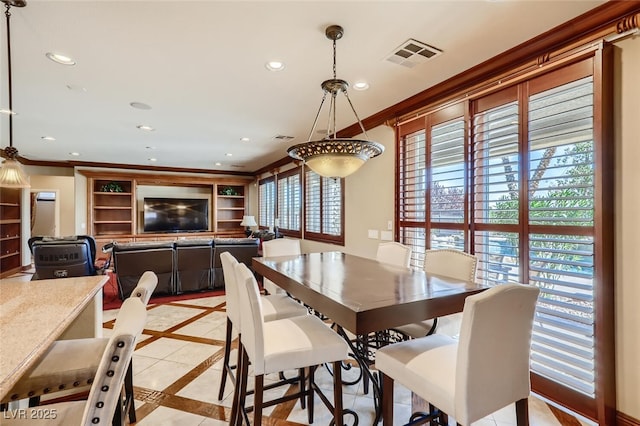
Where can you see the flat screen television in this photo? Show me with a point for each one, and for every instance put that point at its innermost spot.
(176, 214)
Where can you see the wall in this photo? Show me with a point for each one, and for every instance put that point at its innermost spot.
(627, 173)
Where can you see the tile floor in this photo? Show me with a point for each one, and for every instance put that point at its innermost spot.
(177, 369)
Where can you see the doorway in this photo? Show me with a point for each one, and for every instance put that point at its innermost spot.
(45, 213)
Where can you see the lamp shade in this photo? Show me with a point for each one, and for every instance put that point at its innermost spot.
(248, 221)
(12, 175)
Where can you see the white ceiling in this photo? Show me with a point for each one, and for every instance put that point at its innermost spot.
(200, 65)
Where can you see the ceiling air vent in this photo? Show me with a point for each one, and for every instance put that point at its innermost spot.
(413, 52)
(282, 138)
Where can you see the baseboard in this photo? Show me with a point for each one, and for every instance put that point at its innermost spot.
(626, 420)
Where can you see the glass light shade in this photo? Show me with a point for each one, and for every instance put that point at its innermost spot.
(334, 165)
(12, 175)
(248, 221)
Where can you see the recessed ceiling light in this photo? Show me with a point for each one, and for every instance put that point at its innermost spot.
(245, 139)
(228, 154)
(360, 85)
(48, 138)
(139, 105)
(7, 112)
(145, 127)
(274, 65)
(75, 154)
(218, 164)
(153, 159)
(60, 59)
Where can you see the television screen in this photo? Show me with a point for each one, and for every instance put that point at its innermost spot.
(176, 214)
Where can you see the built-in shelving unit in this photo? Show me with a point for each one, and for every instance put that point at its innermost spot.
(112, 207)
(10, 224)
(112, 215)
(230, 207)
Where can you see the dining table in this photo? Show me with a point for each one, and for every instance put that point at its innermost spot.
(365, 296)
(33, 314)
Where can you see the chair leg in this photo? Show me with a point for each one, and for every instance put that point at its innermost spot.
(310, 395)
(338, 414)
(225, 362)
(235, 406)
(303, 379)
(128, 392)
(387, 400)
(258, 390)
(522, 412)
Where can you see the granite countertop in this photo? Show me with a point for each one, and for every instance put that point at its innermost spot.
(35, 313)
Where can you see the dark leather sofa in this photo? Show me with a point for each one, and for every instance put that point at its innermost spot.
(182, 266)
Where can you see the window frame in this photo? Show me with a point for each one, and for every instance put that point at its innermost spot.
(601, 69)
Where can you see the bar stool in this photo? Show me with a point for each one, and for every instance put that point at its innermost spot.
(279, 345)
(70, 364)
(470, 378)
(105, 396)
(276, 306)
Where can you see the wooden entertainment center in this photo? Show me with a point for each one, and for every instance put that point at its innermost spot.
(113, 205)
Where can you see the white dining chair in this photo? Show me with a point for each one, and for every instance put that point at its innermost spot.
(72, 364)
(448, 263)
(105, 395)
(485, 370)
(274, 248)
(279, 345)
(276, 306)
(394, 253)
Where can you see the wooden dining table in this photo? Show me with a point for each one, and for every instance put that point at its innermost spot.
(35, 313)
(365, 296)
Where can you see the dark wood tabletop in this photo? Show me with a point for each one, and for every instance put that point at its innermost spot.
(363, 295)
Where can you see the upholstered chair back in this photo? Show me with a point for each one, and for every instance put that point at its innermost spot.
(231, 288)
(251, 311)
(106, 389)
(394, 253)
(281, 247)
(146, 284)
(451, 263)
(492, 367)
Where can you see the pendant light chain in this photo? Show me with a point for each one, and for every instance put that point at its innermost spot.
(334, 58)
(7, 13)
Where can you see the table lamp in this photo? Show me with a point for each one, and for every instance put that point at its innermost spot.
(248, 221)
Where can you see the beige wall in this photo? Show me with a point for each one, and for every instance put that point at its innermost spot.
(627, 170)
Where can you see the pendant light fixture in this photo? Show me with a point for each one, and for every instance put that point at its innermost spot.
(333, 156)
(11, 173)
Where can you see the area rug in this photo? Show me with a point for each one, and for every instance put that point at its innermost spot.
(110, 299)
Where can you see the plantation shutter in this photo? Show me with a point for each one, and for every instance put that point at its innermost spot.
(412, 188)
(561, 253)
(447, 162)
(331, 206)
(496, 186)
(290, 203)
(266, 202)
(313, 202)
